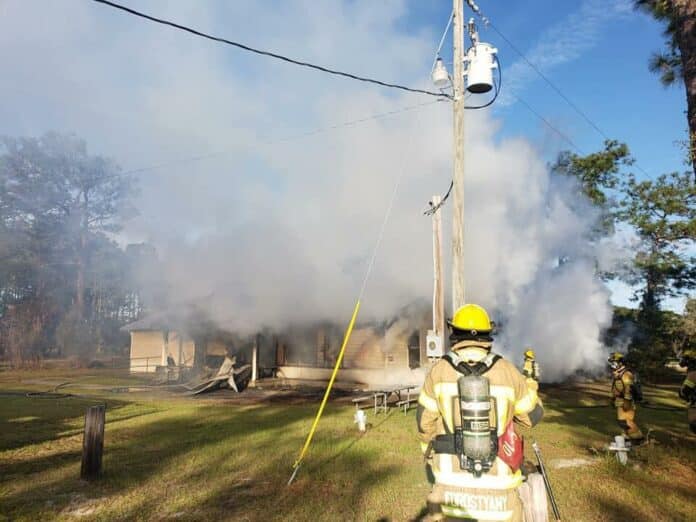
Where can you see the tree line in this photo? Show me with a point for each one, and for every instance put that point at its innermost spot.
(66, 286)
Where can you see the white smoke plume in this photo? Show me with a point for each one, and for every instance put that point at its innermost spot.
(416, 316)
(304, 258)
(283, 233)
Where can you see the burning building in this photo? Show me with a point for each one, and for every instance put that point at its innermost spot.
(300, 351)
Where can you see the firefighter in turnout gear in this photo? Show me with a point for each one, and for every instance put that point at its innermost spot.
(622, 390)
(688, 389)
(530, 369)
(465, 415)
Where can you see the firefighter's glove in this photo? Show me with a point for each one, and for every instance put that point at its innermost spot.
(626, 405)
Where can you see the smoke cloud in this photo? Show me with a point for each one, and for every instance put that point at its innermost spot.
(277, 230)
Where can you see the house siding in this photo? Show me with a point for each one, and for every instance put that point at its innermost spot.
(146, 351)
(149, 349)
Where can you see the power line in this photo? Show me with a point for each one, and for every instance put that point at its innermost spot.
(440, 95)
(558, 91)
(189, 159)
(351, 123)
(320, 130)
(550, 83)
(268, 53)
(549, 125)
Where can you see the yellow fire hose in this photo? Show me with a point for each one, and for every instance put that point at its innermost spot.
(349, 330)
(346, 337)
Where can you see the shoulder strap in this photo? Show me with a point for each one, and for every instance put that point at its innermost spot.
(478, 368)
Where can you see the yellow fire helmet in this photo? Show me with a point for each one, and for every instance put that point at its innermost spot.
(471, 318)
(616, 360)
(529, 354)
(616, 357)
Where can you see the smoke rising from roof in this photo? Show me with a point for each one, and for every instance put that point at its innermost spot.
(529, 259)
(282, 233)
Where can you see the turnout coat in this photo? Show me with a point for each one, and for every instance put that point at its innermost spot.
(493, 495)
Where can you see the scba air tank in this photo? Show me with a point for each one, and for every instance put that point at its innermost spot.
(475, 408)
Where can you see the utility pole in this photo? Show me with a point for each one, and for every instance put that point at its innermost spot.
(458, 287)
(435, 338)
(438, 282)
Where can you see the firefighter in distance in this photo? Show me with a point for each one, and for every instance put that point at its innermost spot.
(530, 368)
(467, 408)
(625, 393)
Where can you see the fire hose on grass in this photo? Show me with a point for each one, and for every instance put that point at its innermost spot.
(310, 435)
(349, 330)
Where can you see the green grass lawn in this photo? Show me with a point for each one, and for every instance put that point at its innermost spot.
(175, 458)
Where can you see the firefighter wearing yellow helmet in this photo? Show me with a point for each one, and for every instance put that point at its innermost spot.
(466, 410)
(624, 389)
(530, 368)
(688, 389)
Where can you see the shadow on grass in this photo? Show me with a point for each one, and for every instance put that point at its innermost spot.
(667, 427)
(597, 420)
(334, 493)
(32, 420)
(206, 461)
(356, 439)
(248, 478)
(617, 509)
(237, 459)
(620, 508)
(659, 479)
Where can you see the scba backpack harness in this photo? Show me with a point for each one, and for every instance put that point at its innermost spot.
(475, 441)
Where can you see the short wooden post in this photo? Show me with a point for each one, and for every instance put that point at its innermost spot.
(93, 441)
